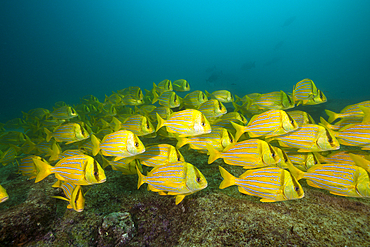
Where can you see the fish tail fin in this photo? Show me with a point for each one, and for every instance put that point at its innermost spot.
(361, 162)
(160, 122)
(181, 141)
(96, 145)
(54, 152)
(324, 123)
(240, 130)
(332, 115)
(229, 179)
(48, 134)
(298, 174)
(207, 93)
(116, 124)
(44, 169)
(141, 178)
(366, 111)
(155, 96)
(213, 153)
(236, 106)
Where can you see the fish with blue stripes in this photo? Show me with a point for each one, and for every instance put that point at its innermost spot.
(169, 99)
(181, 85)
(278, 100)
(159, 155)
(74, 195)
(194, 99)
(272, 184)
(355, 135)
(305, 92)
(69, 133)
(249, 154)
(137, 124)
(126, 166)
(80, 170)
(269, 123)
(301, 117)
(185, 123)
(3, 194)
(212, 109)
(120, 144)
(223, 96)
(163, 86)
(308, 138)
(219, 138)
(338, 178)
(28, 167)
(350, 111)
(64, 112)
(179, 179)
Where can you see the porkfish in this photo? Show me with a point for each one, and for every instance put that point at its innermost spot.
(338, 178)
(120, 144)
(185, 123)
(249, 154)
(79, 169)
(179, 179)
(272, 184)
(305, 92)
(269, 123)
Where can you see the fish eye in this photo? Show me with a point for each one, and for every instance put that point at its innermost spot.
(95, 174)
(198, 179)
(296, 188)
(203, 124)
(137, 144)
(273, 155)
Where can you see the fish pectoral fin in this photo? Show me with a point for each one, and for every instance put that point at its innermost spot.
(312, 184)
(60, 197)
(267, 200)
(179, 198)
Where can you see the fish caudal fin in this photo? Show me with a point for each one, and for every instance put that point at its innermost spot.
(181, 141)
(160, 122)
(298, 174)
(96, 145)
(44, 169)
(240, 130)
(229, 179)
(332, 115)
(141, 178)
(213, 153)
(48, 134)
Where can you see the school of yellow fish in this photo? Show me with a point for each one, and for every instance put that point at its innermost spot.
(277, 146)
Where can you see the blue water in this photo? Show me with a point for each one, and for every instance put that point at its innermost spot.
(62, 50)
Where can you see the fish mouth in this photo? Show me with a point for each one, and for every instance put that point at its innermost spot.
(103, 180)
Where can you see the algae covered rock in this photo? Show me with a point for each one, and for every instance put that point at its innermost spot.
(117, 229)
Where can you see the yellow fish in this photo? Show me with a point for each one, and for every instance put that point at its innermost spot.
(8, 156)
(69, 133)
(271, 184)
(194, 99)
(223, 96)
(225, 120)
(135, 92)
(219, 138)
(269, 123)
(339, 178)
(340, 156)
(120, 144)
(138, 124)
(28, 167)
(80, 169)
(350, 111)
(3, 195)
(303, 161)
(179, 179)
(212, 109)
(127, 165)
(64, 112)
(301, 117)
(355, 135)
(163, 86)
(159, 155)
(169, 99)
(185, 123)
(308, 138)
(163, 111)
(113, 99)
(131, 100)
(340, 124)
(74, 196)
(275, 100)
(181, 85)
(305, 92)
(249, 154)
